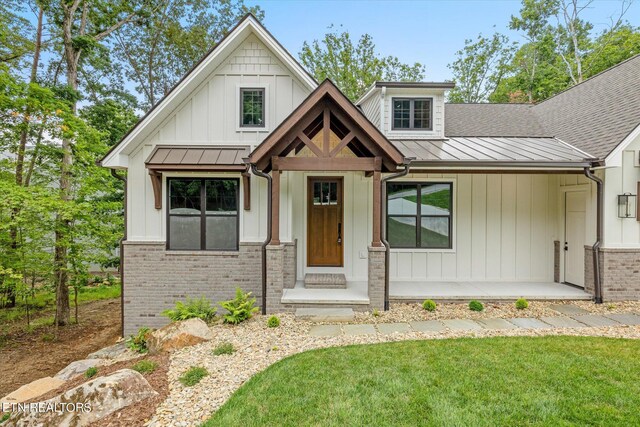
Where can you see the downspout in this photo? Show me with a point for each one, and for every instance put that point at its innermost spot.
(122, 178)
(597, 285)
(256, 172)
(383, 234)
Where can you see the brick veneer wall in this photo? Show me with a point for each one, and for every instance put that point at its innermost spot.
(281, 274)
(376, 276)
(619, 270)
(154, 279)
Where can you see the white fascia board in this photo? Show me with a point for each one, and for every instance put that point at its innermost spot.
(196, 77)
(614, 159)
(367, 94)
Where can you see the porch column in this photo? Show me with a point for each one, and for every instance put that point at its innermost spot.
(275, 207)
(376, 209)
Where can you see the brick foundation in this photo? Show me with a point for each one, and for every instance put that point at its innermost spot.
(154, 279)
(281, 274)
(619, 270)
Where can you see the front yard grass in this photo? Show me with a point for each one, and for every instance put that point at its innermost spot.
(454, 382)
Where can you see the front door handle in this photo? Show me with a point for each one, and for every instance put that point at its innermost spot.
(339, 233)
(566, 246)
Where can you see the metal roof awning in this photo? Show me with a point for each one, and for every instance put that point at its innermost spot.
(494, 152)
(197, 158)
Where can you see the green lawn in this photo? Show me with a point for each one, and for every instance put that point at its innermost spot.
(464, 382)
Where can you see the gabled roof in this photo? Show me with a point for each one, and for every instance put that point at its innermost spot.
(280, 141)
(404, 85)
(194, 77)
(599, 113)
(474, 120)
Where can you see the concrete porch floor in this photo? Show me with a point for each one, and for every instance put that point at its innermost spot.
(354, 293)
(494, 291)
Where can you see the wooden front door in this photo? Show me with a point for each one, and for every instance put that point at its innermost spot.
(325, 229)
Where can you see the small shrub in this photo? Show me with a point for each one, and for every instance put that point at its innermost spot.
(199, 308)
(224, 348)
(48, 337)
(376, 312)
(429, 305)
(521, 304)
(611, 306)
(193, 376)
(241, 308)
(475, 305)
(273, 322)
(138, 342)
(145, 366)
(4, 417)
(91, 372)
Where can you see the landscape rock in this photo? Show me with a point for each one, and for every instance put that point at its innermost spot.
(177, 335)
(114, 352)
(33, 389)
(78, 367)
(88, 402)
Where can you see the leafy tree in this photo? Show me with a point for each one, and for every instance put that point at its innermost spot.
(479, 67)
(611, 48)
(158, 51)
(353, 67)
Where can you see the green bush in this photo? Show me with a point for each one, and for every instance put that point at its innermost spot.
(475, 305)
(224, 348)
(138, 342)
(193, 376)
(376, 312)
(91, 372)
(429, 305)
(145, 366)
(273, 322)
(192, 309)
(521, 304)
(241, 308)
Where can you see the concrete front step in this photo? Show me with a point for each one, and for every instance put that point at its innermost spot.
(325, 281)
(325, 314)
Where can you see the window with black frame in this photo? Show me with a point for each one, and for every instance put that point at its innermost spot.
(419, 215)
(252, 107)
(202, 214)
(412, 113)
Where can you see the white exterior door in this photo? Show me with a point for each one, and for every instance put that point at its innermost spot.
(575, 224)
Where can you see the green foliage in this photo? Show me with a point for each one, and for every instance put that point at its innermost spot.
(273, 322)
(522, 303)
(376, 312)
(241, 308)
(138, 342)
(353, 67)
(193, 309)
(4, 417)
(193, 376)
(224, 348)
(48, 337)
(145, 366)
(475, 305)
(91, 372)
(429, 305)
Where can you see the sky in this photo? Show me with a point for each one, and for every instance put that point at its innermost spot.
(429, 32)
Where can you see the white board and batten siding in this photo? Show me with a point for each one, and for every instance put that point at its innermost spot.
(622, 232)
(210, 115)
(504, 227)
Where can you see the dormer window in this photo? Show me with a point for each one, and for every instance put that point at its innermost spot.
(252, 107)
(412, 113)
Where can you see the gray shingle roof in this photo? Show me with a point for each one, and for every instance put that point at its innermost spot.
(597, 114)
(593, 116)
(492, 120)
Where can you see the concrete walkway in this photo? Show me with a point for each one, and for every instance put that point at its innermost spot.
(568, 317)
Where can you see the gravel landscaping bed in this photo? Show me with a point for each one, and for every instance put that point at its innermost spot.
(257, 347)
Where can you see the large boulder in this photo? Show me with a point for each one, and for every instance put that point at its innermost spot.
(115, 353)
(78, 367)
(88, 402)
(33, 389)
(177, 335)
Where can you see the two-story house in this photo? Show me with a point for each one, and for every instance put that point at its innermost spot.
(251, 174)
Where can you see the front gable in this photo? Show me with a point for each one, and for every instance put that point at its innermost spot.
(203, 107)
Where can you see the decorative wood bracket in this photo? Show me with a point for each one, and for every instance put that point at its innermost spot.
(156, 184)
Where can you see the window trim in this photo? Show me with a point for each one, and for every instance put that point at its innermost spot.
(412, 100)
(241, 125)
(203, 214)
(418, 216)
